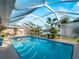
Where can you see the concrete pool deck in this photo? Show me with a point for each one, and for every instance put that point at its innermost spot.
(7, 51)
(76, 52)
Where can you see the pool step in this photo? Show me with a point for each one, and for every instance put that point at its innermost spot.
(19, 50)
(27, 50)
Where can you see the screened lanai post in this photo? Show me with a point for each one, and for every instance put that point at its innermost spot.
(52, 11)
(49, 8)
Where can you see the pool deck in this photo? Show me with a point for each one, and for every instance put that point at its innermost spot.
(76, 51)
(7, 51)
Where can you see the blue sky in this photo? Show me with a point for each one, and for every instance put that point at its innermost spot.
(66, 7)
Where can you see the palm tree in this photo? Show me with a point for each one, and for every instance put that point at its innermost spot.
(52, 27)
(64, 20)
(39, 30)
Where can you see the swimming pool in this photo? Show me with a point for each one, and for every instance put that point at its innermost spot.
(29, 47)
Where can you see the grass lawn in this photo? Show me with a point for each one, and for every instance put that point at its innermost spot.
(65, 39)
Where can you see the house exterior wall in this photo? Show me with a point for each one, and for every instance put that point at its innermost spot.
(70, 30)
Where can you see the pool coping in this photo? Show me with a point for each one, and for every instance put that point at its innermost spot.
(76, 51)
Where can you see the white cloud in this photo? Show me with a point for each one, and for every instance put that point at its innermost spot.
(63, 9)
(78, 4)
(75, 8)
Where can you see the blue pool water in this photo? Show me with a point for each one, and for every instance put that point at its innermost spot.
(39, 48)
